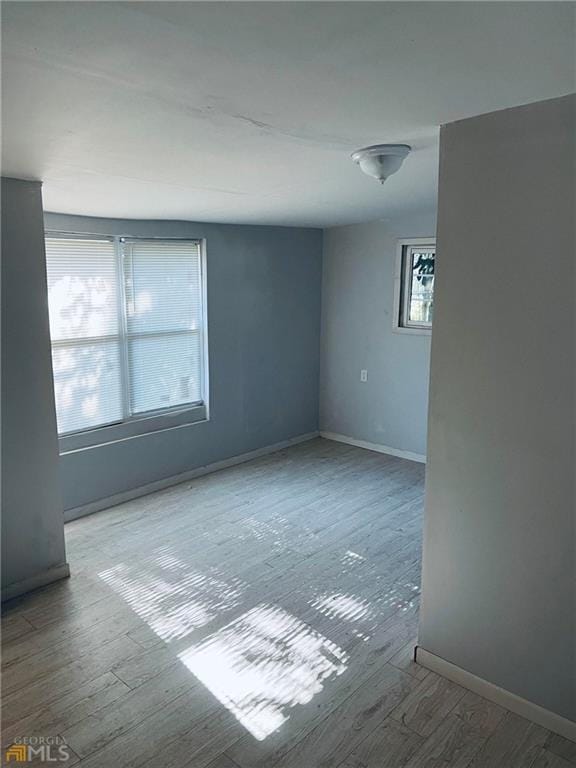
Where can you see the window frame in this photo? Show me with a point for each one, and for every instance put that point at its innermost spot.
(136, 425)
(402, 286)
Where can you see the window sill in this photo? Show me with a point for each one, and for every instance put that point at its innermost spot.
(412, 331)
(127, 430)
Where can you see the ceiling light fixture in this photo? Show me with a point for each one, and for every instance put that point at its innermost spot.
(381, 160)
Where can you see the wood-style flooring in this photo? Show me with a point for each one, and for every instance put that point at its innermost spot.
(260, 617)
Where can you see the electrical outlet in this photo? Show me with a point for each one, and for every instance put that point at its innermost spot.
(363, 375)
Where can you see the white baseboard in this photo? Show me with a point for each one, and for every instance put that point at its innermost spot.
(523, 707)
(374, 447)
(35, 582)
(167, 482)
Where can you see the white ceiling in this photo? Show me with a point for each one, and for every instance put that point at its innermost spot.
(248, 112)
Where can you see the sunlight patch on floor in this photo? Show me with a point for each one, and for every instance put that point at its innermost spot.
(263, 664)
(351, 557)
(342, 606)
(170, 596)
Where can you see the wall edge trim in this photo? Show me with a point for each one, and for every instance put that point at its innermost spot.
(419, 457)
(158, 485)
(42, 579)
(511, 701)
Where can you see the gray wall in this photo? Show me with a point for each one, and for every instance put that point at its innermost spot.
(499, 555)
(390, 409)
(32, 521)
(264, 333)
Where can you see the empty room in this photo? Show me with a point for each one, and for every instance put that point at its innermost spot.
(288, 428)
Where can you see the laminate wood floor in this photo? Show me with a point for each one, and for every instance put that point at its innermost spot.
(258, 617)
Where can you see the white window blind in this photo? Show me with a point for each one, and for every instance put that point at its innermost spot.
(126, 322)
(164, 323)
(84, 326)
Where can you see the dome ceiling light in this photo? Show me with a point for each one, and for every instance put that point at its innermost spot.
(381, 160)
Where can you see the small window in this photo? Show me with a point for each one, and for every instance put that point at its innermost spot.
(127, 329)
(414, 300)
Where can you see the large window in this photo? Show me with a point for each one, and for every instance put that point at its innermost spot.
(414, 300)
(127, 328)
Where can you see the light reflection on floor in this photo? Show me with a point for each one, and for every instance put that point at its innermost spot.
(267, 660)
(352, 557)
(170, 596)
(364, 616)
(262, 530)
(264, 663)
(342, 606)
